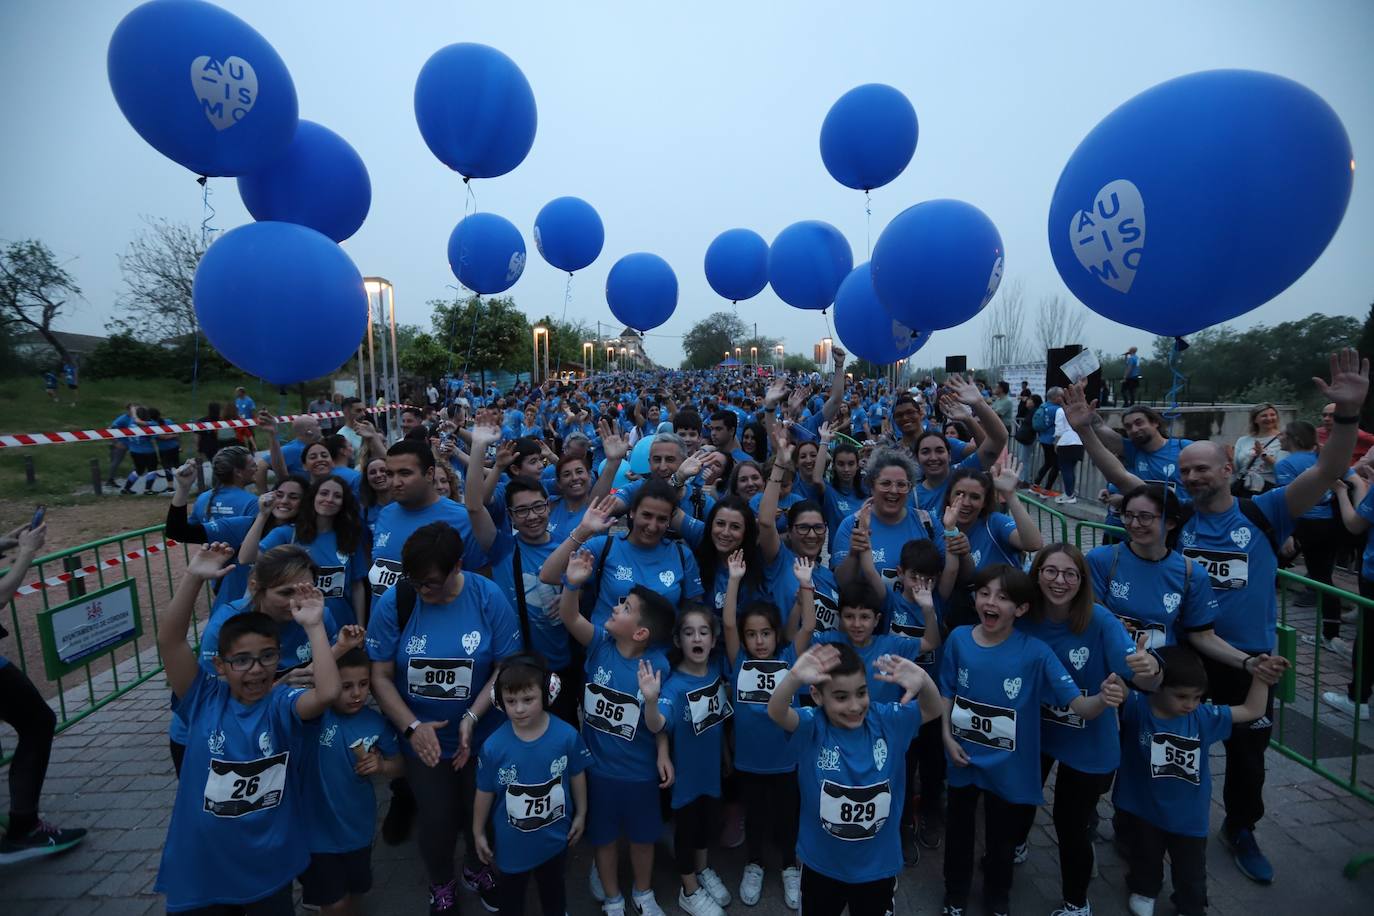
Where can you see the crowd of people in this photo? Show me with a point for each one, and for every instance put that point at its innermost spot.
(815, 618)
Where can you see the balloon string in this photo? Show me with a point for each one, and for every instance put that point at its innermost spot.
(206, 230)
(868, 228)
(1179, 381)
(469, 207)
(567, 297)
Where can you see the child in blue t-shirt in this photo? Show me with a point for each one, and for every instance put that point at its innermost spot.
(1164, 787)
(690, 711)
(527, 773)
(759, 659)
(848, 753)
(355, 743)
(994, 679)
(622, 789)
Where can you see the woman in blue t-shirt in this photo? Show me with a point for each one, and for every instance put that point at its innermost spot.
(843, 492)
(1318, 531)
(374, 491)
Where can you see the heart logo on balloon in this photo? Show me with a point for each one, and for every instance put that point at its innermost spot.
(516, 267)
(994, 281)
(227, 89)
(901, 336)
(1109, 238)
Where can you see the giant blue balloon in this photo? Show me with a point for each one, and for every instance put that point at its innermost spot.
(475, 110)
(1200, 199)
(737, 264)
(937, 264)
(568, 233)
(807, 262)
(865, 327)
(319, 182)
(486, 253)
(202, 87)
(868, 136)
(280, 301)
(641, 290)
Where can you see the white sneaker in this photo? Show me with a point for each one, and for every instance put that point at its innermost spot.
(1020, 854)
(1065, 499)
(714, 886)
(1340, 645)
(647, 905)
(1338, 700)
(598, 891)
(751, 886)
(1068, 910)
(698, 904)
(614, 907)
(1350, 616)
(791, 888)
(1141, 906)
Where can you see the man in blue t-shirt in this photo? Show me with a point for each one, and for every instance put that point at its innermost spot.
(1130, 379)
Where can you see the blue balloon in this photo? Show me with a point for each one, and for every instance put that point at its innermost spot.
(639, 456)
(1200, 199)
(864, 326)
(280, 301)
(475, 110)
(568, 233)
(807, 262)
(202, 87)
(486, 253)
(937, 264)
(320, 182)
(737, 264)
(868, 136)
(641, 290)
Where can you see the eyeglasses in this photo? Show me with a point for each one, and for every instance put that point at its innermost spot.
(891, 486)
(808, 529)
(1139, 518)
(1070, 576)
(245, 661)
(432, 585)
(531, 509)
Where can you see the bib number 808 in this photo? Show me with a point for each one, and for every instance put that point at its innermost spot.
(441, 677)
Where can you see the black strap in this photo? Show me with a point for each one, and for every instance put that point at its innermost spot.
(518, 579)
(405, 604)
(1252, 512)
(589, 595)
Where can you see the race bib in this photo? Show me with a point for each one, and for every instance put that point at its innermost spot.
(1063, 715)
(439, 678)
(1175, 757)
(238, 787)
(530, 808)
(330, 580)
(1227, 569)
(611, 712)
(827, 613)
(909, 630)
(709, 705)
(383, 575)
(854, 812)
(1158, 634)
(758, 679)
(980, 723)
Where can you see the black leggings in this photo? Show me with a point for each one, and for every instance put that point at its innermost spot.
(1364, 649)
(823, 896)
(1146, 845)
(695, 825)
(1050, 466)
(443, 800)
(548, 881)
(771, 801)
(23, 707)
(1075, 819)
(1320, 540)
(929, 751)
(1068, 456)
(277, 903)
(1002, 823)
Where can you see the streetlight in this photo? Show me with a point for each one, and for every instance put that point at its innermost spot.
(737, 354)
(754, 356)
(385, 312)
(826, 345)
(778, 356)
(588, 350)
(539, 329)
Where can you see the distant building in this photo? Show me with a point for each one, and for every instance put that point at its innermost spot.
(633, 357)
(32, 346)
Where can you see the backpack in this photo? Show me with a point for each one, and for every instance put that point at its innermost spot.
(1253, 514)
(1025, 430)
(592, 589)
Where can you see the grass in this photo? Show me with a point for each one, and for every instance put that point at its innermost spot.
(62, 472)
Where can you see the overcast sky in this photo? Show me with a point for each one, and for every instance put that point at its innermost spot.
(676, 121)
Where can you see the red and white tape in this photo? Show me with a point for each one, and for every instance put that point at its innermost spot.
(37, 586)
(20, 440)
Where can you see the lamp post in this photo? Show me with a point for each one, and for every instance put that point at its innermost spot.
(539, 330)
(826, 345)
(588, 351)
(754, 356)
(778, 357)
(385, 313)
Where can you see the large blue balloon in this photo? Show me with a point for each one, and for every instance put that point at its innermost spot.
(568, 233)
(202, 87)
(475, 110)
(320, 182)
(1200, 199)
(486, 253)
(865, 327)
(937, 264)
(807, 262)
(868, 136)
(280, 301)
(737, 264)
(641, 290)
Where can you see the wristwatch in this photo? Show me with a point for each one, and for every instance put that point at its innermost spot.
(410, 729)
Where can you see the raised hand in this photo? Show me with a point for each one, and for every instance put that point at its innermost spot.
(962, 389)
(267, 422)
(735, 566)
(894, 669)
(267, 502)
(208, 562)
(777, 390)
(802, 569)
(795, 402)
(1077, 410)
(483, 436)
(650, 681)
(827, 433)
(922, 592)
(351, 636)
(1349, 381)
(307, 605)
(505, 454)
(580, 566)
(184, 476)
(954, 409)
(1141, 662)
(613, 443)
(30, 540)
(840, 355)
(816, 663)
(1113, 690)
(597, 519)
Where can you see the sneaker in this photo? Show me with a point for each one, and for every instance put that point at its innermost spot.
(1020, 855)
(1065, 499)
(714, 886)
(443, 899)
(594, 885)
(482, 881)
(43, 840)
(732, 833)
(751, 886)
(1252, 863)
(614, 907)
(791, 888)
(1350, 616)
(950, 909)
(930, 832)
(1334, 644)
(911, 852)
(1140, 905)
(647, 905)
(697, 904)
(1070, 910)
(1338, 700)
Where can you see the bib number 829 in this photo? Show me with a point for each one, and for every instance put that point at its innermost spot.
(612, 711)
(858, 812)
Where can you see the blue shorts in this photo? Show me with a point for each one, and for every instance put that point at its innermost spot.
(618, 807)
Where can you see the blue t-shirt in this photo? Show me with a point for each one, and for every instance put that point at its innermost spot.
(989, 541)
(338, 570)
(291, 454)
(1132, 366)
(563, 518)
(784, 503)
(837, 505)
(1165, 776)
(696, 501)
(696, 709)
(667, 568)
(531, 781)
(446, 653)
(246, 407)
(713, 593)
(932, 499)
(853, 787)
(757, 737)
(997, 693)
(395, 523)
(142, 445)
(1089, 746)
(1168, 597)
(1242, 566)
(1366, 511)
(547, 635)
(341, 806)
(879, 644)
(236, 833)
(612, 706)
(907, 618)
(1288, 469)
(223, 502)
(1160, 465)
(231, 531)
(786, 587)
(888, 540)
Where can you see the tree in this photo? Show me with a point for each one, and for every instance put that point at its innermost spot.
(719, 333)
(159, 268)
(565, 340)
(483, 333)
(1004, 340)
(1058, 324)
(34, 289)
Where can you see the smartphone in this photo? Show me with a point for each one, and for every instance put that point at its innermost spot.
(38, 514)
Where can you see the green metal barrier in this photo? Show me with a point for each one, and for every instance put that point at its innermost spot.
(1047, 519)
